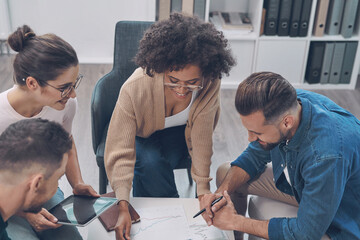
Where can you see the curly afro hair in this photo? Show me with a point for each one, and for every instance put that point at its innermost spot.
(180, 40)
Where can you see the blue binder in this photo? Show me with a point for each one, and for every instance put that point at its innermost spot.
(337, 62)
(336, 8)
(326, 64)
(348, 63)
(348, 21)
(199, 8)
(176, 5)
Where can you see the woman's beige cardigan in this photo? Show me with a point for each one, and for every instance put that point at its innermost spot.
(140, 111)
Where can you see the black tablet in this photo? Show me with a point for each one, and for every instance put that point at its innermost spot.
(81, 210)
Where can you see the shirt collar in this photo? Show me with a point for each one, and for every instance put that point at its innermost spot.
(304, 125)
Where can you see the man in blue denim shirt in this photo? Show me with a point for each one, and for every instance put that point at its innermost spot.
(314, 147)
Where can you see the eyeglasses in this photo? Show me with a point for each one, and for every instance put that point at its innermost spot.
(67, 90)
(190, 88)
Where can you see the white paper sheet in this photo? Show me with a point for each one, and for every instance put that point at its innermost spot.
(169, 222)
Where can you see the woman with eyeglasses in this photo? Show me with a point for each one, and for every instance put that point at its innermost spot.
(166, 110)
(46, 74)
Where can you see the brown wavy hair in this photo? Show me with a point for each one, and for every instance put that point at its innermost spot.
(43, 57)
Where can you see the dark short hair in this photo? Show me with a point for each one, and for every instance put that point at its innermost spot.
(173, 43)
(43, 57)
(33, 141)
(267, 92)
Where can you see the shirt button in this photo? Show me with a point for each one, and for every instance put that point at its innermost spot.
(282, 165)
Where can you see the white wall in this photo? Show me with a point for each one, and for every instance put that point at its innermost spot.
(5, 27)
(88, 25)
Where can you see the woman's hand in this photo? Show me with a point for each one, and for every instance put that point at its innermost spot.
(42, 220)
(123, 225)
(205, 202)
(84, 189)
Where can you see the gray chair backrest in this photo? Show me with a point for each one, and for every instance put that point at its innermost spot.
(106, 91)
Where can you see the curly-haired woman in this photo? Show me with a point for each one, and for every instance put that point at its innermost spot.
(167, 109)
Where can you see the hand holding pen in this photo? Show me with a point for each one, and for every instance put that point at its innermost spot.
(212, 204)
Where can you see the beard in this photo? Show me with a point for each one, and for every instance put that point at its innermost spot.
(34, 208)
(270, 146)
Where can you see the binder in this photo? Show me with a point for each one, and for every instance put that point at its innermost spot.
(337, 61)
(348, 21)
(164, 9)
(284, 17)
(263, 16)
(199, 8)
(188, 6)
(176, 5)
(333, 22)
(295, 18)
(320, 18)
(326, 64)
(271, 19)
(313, 68)
(304, 18)
(348, 63)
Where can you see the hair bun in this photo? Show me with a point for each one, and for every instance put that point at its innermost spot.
(17, 40)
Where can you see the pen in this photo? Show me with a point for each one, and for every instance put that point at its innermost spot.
(212, 204)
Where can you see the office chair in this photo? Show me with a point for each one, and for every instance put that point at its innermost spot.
(106, 91)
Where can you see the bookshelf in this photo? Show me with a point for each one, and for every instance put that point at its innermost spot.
(285, 55)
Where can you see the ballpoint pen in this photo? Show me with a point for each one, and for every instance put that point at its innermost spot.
(212, 204)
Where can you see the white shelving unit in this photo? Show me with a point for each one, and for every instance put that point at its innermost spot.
(284, 55)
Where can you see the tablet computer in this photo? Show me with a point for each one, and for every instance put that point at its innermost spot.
(81, 210)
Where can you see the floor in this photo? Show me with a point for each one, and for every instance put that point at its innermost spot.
(230, 137)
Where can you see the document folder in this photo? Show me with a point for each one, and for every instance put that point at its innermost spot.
(337, 61)
(164, 9)
(295, 18)
(284, 17)
(271, 20)
(326, 64)
(304, 19)
(348, 63)
(313, 69)
(199, 8)
(348, 21)
(336, 8)
(176, 5)
(188, 6)
(320, 18)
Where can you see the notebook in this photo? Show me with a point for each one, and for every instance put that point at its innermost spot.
(109, 218)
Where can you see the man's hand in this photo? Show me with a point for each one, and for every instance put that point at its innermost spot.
(42, 221)
(123, 225)
(225, 217)
(84, 189)
(205, 202)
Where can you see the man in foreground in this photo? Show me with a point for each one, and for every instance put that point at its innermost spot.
(314, 147)
(33, 156)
